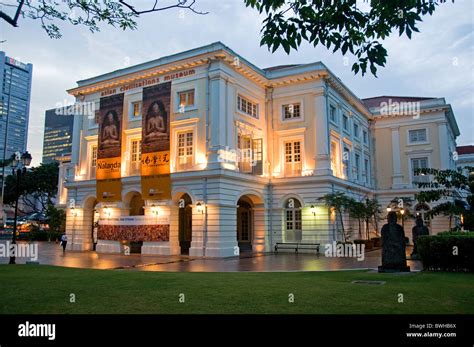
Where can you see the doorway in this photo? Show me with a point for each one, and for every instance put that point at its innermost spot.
(244, 224)
(185, 223)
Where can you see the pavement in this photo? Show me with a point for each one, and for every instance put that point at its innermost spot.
(50, 253)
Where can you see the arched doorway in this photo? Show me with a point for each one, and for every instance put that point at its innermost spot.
(244, 224)
(136, 208)
(293, 221)
(136, 205)
(185, 223)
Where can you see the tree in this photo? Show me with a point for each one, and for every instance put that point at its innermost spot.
(372, 212)
(357, 210)
(445, 185)
(56, 219)
(38, 187)
(88, 13)
(340, 203)
(341, 25)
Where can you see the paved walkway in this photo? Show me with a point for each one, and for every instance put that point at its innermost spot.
(51, 254)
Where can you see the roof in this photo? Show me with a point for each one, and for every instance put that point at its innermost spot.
(377, 100)
(465, 149)
(280, 67)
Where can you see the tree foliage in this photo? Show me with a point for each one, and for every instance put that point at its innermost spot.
(37, 189)
(446, 185)
(87, 13)
(341, 25)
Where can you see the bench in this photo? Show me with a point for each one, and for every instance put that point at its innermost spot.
(296, 246)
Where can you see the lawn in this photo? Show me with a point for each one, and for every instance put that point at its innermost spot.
(46, 289)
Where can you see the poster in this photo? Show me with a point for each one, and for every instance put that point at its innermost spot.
(108, 183)
(155, 161)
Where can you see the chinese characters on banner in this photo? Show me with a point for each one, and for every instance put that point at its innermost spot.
(155, 160)
(109, 155)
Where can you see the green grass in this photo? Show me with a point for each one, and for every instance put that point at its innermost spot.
(46, 289)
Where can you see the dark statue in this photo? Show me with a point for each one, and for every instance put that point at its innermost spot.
(393, 246)
(418, 230)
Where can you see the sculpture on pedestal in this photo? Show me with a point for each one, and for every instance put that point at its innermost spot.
(393, 246)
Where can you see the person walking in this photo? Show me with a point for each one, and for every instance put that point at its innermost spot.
(64, 242)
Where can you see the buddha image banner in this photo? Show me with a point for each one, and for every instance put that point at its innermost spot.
(155, 160)
(109, 154)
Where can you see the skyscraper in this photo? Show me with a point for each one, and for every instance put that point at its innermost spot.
(57, 136)
(15, 79)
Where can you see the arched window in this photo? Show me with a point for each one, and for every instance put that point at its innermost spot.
(293, 220)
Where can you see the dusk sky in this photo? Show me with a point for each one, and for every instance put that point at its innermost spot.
(437, 62)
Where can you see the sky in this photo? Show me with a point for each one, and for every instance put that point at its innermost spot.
(437, 62)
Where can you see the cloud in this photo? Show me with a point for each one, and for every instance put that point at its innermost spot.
(421, 66)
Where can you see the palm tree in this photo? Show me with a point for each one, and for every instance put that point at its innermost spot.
(339, 202)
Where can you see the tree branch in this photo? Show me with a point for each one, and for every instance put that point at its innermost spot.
(12, 21)
(180, 4)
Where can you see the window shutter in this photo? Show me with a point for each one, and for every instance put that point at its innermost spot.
(257, 169)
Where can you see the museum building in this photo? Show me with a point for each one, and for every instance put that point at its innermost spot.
(204, 153)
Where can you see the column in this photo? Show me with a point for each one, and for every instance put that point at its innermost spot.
(444, 154)
(259, 229)
(323, 165)
(218, 113)
(397, 177)
(221, 231)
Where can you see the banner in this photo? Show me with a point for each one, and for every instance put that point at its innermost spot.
(155, 163)
(108, 183)
(135, 228)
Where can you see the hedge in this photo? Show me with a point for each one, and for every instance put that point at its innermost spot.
(447, 251)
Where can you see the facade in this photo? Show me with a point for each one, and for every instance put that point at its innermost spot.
(465, 156)
(15, 79)
(58, 130)
(252, 151)
(411, 133)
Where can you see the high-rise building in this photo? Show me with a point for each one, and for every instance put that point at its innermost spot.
(15, 79)
(57, 136)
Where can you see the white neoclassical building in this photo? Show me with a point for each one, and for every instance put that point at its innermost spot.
(252, 151)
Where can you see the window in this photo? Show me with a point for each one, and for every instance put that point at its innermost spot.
(135, 157)
(136, 109)
(346, 162)
(418, 135)
(248, 107)
(357, 166)
(186, 99)
(419, 163)
(364, 136)
(293, 220)
(332, 114)
(245, 155)
(250, 155)
(93, 161)
(293, 158)
(345, 122)
(335, 158)
(185, 150)
(291, 111)
(356, 130)
(366, 171)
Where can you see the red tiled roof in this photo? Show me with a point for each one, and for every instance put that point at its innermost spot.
(465, 149)
(377, 100)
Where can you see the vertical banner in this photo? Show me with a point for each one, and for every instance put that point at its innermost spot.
(109, 155)
(155, 166)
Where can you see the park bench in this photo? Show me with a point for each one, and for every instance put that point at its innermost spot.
(297, 246)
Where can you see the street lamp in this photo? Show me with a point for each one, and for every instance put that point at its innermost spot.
(402, 212)
(19, 162)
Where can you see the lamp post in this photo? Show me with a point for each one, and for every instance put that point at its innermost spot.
(18, 164)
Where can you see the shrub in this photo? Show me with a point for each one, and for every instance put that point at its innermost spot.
(448, 251)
